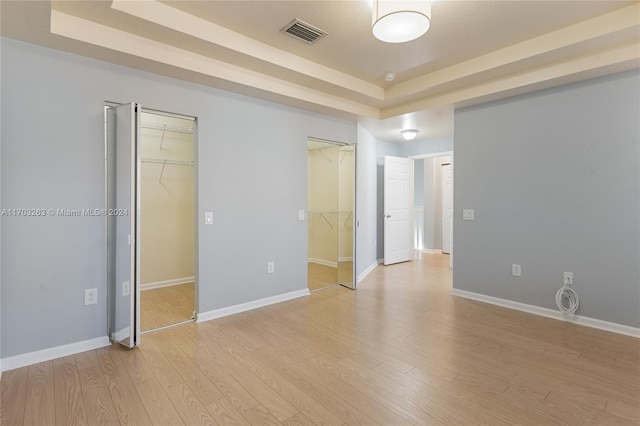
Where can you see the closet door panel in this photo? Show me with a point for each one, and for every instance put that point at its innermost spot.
(121, 215)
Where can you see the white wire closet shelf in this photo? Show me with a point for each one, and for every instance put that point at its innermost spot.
(165, 162)
(166, 127)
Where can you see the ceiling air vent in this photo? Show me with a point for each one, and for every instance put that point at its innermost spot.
(303, 31)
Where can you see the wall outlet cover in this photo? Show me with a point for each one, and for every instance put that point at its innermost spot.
(516, 270)
(90, 296)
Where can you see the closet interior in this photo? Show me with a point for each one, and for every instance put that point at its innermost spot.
(330, 201)
(167, 220)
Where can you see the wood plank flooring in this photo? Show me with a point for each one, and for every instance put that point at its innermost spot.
(164, 306)
(323, 276)
(400, 350)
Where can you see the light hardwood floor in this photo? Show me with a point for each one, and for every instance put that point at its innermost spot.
(399, 350)
(323, 276)
(164, 306)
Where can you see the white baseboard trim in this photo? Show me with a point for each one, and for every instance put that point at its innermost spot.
(431, 251)
(167, 283)
(380, 261)
(322, 262)
(550, 313)
(367, 271)
(236, 309)
(328, 262)
(120, 335)
(23, 360)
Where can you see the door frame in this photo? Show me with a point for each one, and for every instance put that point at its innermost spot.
(135, 287)
(445, 195)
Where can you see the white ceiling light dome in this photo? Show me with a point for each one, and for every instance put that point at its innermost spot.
(409, 134)
(399, 21)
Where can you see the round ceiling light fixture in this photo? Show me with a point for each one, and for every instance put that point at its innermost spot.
(390, 76)
(399, 21)
(409, 134)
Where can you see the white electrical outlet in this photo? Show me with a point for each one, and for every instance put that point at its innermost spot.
(516, 270)
(271, 267)
(90, 296)
(468, 214)
(568, 278)
(300, 214)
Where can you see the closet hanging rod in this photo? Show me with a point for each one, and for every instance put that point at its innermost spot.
(166, 127)
(172, 162)
(329, 212)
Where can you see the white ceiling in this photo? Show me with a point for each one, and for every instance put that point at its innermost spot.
(473, 52)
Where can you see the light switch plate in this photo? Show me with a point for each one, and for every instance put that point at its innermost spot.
(300, 214)
(208, 218)
(468, 214)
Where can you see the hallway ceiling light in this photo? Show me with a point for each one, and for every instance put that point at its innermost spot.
(409, 134)
(398, 21)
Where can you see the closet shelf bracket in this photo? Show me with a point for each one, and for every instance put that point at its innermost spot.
(347, 219)
(164, 129)
(163, 166)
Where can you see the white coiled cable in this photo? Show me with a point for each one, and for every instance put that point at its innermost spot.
(570, 296)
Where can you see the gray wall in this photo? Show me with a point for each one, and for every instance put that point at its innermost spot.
(553, 178)
(418, 182)
(427, 146)
(366, 201)
(251, 173)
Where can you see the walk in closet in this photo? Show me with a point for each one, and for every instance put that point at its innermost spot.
(167, 258)
(330, 204)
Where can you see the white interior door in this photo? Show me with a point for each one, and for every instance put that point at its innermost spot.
(398, 209)
(122, 227)
(447, 209)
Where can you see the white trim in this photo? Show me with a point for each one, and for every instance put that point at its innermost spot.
(432, 251)
(23, 360)
(236, 309)
(167, 283)
(550, 313)
(380, 261)
(345, 259)
(432, 155)
(322, 262)
(120, 335)
(367, 271)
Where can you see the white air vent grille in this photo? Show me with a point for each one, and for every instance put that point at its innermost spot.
(303, 31)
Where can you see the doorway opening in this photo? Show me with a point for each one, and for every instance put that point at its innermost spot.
(330, 207)
(433, 207)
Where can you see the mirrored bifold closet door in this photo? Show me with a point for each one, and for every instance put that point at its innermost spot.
(121, 214)
(330, 206)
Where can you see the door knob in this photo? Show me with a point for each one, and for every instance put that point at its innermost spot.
(388, 216)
